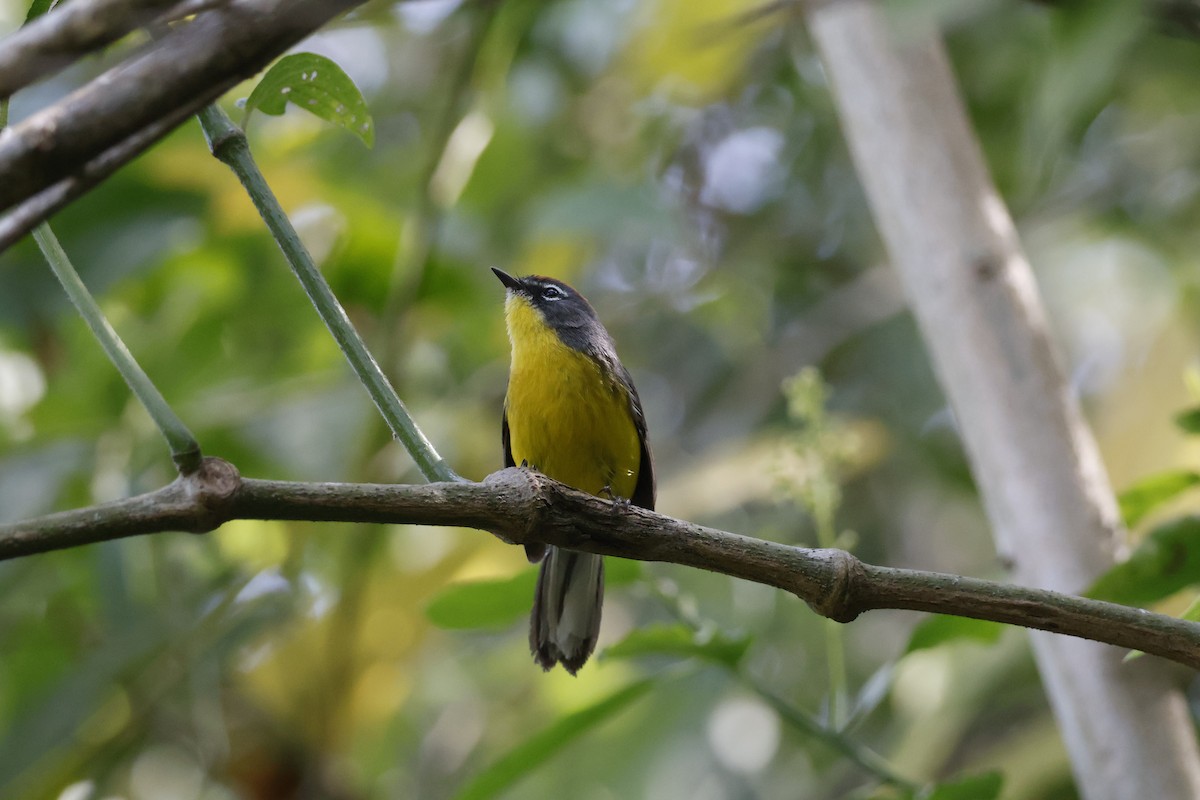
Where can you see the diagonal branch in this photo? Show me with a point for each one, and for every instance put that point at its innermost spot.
(41, 206)
(522, 506)
(52, 41)
(228, 143)
(178, 75)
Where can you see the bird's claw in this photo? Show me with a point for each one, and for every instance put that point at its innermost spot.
(617, 501)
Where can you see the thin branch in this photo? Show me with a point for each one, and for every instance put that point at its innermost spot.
(228, 143)
(185, 450)
(521, 506)
(183, 71)
(38, 208)
(833, 738)
(47, 44)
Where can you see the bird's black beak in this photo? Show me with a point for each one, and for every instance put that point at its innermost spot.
(508, 280)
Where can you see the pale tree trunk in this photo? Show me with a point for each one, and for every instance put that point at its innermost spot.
(970, 286)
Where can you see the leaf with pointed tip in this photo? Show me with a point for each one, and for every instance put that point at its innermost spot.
(37, 8)
(317, 85)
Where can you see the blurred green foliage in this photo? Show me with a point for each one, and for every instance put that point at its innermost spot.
(685, 170)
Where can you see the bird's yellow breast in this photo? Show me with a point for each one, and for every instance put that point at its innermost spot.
(567, 417)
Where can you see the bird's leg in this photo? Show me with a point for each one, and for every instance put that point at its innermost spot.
(619, 503)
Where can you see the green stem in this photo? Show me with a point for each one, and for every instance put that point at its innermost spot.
(185, 451)
(864, 757)
(835, 642)
(807, 724)
(228, 143)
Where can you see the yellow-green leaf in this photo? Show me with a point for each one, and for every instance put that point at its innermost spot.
(1147, 494)
(681, 641)
(941, 628)
(483, 604)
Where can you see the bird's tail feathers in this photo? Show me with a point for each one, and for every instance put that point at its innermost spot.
(565, 623)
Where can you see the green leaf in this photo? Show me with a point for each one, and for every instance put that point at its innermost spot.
(1147, 494)
(317, 85)
(1192, 612)
(483, 604)
(37, 8)
(977, 787)
(682, 641)
(942, 628)
(1167, 560)
(1189, 420)
(621, 571)
(538, 749)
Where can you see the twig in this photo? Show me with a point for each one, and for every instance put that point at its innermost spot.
(521, 506)
(228, 143)
(185, 450)
(833, 738)
(178, 75)
(47, 44)
(25, 217)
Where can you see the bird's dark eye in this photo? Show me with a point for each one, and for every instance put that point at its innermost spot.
(553, 293)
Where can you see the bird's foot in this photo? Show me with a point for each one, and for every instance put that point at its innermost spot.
(619, 503)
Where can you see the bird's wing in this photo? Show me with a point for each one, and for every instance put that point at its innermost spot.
(644, 491)
(506, 439)
(534, 551)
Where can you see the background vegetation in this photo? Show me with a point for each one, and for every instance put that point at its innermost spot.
(679, 163)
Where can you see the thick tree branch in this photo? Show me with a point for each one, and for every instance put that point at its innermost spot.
(521, 506)
(177, 76)
(41, 206)
(52, 41)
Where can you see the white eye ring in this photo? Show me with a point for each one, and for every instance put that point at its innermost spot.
(552, 292)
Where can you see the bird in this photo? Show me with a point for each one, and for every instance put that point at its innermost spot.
(571, 412)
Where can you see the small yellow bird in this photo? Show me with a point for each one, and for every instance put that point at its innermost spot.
(571, 413)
